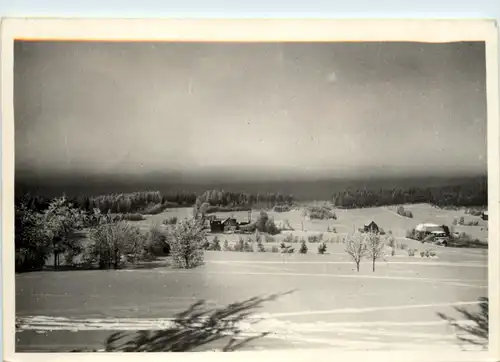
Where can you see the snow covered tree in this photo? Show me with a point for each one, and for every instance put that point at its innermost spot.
(356, 248)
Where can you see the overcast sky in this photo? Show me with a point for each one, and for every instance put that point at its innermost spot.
(284, 110)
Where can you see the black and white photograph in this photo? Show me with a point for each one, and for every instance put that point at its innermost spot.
(197, 196)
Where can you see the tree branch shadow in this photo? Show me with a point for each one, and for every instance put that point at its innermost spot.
(196, 327)
(477, 331)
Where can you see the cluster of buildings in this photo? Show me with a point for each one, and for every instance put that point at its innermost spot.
(228, 224)
(440, 231)
(231, 224)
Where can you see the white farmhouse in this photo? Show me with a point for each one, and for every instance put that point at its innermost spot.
(428, 228)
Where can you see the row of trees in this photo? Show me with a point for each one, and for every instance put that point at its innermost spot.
(52, 233)
(144, 200)
(320, 212)
(39, 235)
(181, 198)
(405, 213)
(469, 193)
(229, 198)
(366, 245)
(116, 203)
(466, 194)
(114, 243)
(122, 203)
(359, 246)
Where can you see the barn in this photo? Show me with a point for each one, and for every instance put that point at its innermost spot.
(228, 224)
(371, 227)
(216, 226)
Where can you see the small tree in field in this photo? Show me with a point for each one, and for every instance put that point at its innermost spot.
(390, 240)
(215, 245)
(356, 248)
(266, 224)
(187, 239)
(247, 245)
(260, 246)
(322, 248)
(303, 247)
(239, 245)
(375, 247)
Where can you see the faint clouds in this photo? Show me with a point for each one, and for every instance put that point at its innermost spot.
(332, 77)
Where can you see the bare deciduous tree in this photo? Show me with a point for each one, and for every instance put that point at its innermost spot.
(356, 248)
(375, 247)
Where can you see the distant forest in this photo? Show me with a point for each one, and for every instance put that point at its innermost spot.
(151, 202)
(467, 194)
(117, 203)
(228, 198)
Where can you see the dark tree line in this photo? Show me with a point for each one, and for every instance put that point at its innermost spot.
(115, 203)
(33, 202)
(229, 198)
(122, 203)
(138, 202)
(466, 194)
(181, 198)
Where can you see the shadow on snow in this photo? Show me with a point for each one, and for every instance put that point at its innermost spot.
(476, 331)
(196, 327)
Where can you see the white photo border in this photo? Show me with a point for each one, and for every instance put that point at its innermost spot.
(234, 30)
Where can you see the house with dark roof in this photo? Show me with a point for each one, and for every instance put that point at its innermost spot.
(371, 227)
(220, 226)
(230, 224)
(216, 226)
